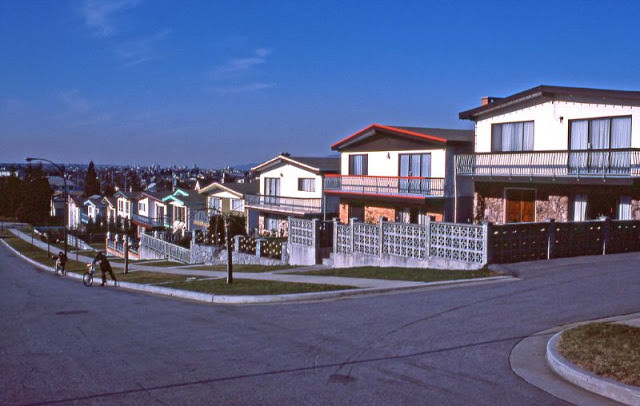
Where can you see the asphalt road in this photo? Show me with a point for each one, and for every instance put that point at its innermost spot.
(62, 343)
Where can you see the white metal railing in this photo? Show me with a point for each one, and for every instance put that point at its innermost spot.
(285, 204)
(171, 251)
(570, 163)
(385, 185)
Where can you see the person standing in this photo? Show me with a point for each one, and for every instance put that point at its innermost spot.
(105, 267)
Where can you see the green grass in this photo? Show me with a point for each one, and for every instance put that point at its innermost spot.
(40, 255)
(200, 284)
(252, 287)
(611, 350)
(402, 274)
(243, 268)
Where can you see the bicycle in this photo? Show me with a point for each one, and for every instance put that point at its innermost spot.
(59, 268)
(87, 278)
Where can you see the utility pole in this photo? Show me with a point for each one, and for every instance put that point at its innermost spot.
(229, 254)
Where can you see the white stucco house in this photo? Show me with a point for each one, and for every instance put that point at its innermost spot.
(550, 152)
(290, 186)
(403, 174)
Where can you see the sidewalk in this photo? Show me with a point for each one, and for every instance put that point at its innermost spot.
(537, 361)
(360, 285)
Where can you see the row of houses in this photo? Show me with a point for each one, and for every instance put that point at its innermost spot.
(568, 154)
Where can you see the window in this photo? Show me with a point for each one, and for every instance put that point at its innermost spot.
(127, 207)
(600, 133)
(142, 207)
(306, 184)
(271, 190)
(358, 164)
(415, 166)
(237, 205)
(215, 203)
(120, 205)
(624, 208)
(512, 136)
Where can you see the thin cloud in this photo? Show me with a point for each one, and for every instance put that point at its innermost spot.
(237, 66)
(99, 14)
(141, 50)
(251, 87)
(74, 102)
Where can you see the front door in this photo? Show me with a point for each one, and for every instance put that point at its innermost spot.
(520, 205)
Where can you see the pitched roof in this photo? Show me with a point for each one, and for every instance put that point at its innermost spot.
(238, 188)
(187, 197)
(315, 164)
(439, 135)
(543, 93)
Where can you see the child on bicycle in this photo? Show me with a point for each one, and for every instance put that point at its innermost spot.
(61, 261)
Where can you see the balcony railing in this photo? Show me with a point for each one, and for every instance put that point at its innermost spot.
(84, 218)
(395, 186)
(606, 163)
(148, 221)
(282, 204)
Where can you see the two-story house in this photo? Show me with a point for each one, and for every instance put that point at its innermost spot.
(151, 214)
(403, 174)
(94, 210)
(111, 204)
(74, 210)
(229, 198)
(184, 208)
(126, 206)
(549, 152)
(290, 186)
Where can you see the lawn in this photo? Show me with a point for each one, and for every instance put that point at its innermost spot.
(243, 268)
(402, 274)
(40, 255)
(215, 286)
(606, 349)
(251, 287)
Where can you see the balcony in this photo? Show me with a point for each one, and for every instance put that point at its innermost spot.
(557, 165)
(287, 205)
(384, 186)
(84, 218)
(148, 222)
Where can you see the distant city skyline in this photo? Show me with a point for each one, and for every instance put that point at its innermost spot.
(141, 82)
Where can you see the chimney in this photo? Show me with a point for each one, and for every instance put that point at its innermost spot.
(489, 99)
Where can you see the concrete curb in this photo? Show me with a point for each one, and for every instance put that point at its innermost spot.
(626, 394)
(264, 299)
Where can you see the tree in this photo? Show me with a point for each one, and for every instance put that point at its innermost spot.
(91, 183)
(35, 203)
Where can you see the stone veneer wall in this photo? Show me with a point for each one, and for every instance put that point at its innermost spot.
(344, 212)
(552, 202)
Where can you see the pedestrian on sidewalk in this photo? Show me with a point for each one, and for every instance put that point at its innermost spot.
(105, 267)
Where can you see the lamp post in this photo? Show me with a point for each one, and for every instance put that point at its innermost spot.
(66, 199)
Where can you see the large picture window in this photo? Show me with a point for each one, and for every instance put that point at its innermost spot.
(358, 164)
(512, 136)
(595, 137)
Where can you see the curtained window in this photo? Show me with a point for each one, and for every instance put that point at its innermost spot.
(597, 134)
(580, 207)
(358, 164)
(624, 208)
(306, 184)
(512, 136)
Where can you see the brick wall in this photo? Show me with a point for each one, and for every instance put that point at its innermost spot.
(372, 214)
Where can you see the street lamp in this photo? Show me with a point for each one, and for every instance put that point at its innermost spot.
(66, 199)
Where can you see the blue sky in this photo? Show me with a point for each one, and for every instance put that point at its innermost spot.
(217, 83)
